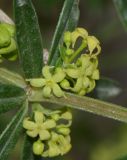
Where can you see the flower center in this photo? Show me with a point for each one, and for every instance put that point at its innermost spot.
(49, 83)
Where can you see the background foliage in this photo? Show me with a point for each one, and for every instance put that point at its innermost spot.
(90, 133)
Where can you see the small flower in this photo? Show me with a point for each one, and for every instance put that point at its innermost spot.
(58, 145)
(50, 82)
(51, 128)
(78, 32)
(39, 127)
(85, 72)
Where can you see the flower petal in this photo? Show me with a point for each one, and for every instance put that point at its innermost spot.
(33, 133)
(85, 59)
(44, 135)
(46, 92)
(72, 72)
(64, 131)
(48, 124)
(59, 75)
(95, 74)
(39, 117)
(78, 85)
(92, 43)
(64, 144)
(82, 92)
(91, 86)
(57, 91)
(46, 72)
(67, 115)
(53, 149)
(89, 71)
(37, 82)
(29, 125)
(79, 32)
(86, 82)
(65, 125)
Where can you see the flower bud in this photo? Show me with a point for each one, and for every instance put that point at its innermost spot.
(5, 38)
(82, 92)
(67, 115)
(69, 52)
(55, 117)
(67, 38)
(65, 84)
(64, 131)
(38, 147)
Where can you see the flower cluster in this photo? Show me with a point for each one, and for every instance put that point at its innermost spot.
(81, 76)
(8, 48)
(76, 75)
(50, 130)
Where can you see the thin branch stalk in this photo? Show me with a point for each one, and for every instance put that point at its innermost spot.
(88, 104)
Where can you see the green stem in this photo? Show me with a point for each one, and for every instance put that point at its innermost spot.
(77, 52)
(95, 106)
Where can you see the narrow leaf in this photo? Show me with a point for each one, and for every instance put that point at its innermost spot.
(107, 88)
(121, 7)
(12, 132)
(12, 78)
(74, 17)
(27, 153)
(84, 103)
(10, 97)
(28, 38)
(62, 22)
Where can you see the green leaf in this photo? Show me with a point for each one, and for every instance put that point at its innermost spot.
(12, 132)
(10, 97)
(8, 77)
(107, 88)
(74, 17)
(27, 153)
(61, 26)
(84, 103)
(121, 7)
(28, 38)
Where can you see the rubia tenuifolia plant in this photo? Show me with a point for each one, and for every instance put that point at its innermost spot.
(62, 81)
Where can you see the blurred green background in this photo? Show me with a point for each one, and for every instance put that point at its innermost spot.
(93, 137)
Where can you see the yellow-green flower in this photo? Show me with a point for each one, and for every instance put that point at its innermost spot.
(78, 32)
(85, 73)
(39, 127)
(50, 82)
(58, 145)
